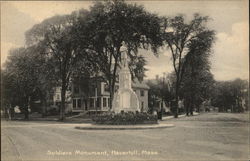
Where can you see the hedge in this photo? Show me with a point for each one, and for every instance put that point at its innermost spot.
(125, 118)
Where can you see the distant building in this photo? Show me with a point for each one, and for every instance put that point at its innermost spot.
(93, 94)
(55, 99)
(141, 90)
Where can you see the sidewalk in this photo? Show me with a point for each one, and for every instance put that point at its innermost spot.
(179, 116)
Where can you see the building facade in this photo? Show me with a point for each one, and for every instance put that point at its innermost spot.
(55, 100)
(93, 95)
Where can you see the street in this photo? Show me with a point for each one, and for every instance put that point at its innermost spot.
(208, 136)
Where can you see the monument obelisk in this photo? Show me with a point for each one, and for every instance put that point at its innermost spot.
(125, 98)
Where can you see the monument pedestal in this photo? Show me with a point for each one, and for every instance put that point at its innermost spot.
(125, 98)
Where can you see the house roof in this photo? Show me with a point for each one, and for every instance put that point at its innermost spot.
(138, 84)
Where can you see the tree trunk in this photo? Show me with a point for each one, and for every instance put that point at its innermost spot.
(110, 80)
(238, 104)
(44, 107)
(110, 95)
(176, 101)
(192, 106)
(27, 104)
(187, 106)
(62, 109)
(192, 88)
(112, 91)
(6, 114)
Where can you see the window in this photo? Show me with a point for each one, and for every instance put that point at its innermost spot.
(142, 93)
(58, 96)
(79, 103)
(74, 103)
(104, 102)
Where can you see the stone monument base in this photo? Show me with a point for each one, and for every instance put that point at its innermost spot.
(125, 100)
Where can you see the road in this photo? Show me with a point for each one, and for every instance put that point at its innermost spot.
(210, 136)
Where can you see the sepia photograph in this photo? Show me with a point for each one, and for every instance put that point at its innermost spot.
(125, 80)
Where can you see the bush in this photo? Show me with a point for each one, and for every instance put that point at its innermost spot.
(125, 118)
(52, 110)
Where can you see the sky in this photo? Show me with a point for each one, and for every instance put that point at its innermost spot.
(229, 18)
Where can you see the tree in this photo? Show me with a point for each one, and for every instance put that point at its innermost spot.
(154, 93)
(21, 77)
(159, 89)
(113, 24)
(239, 88)
(137, 67)
(8, 96)
(229, 95)
(47, 82)
(178, 36)
(57, 36)
(197, 78)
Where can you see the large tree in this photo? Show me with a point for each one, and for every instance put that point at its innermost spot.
(58, 38)
(21, 77)
(178, 36)
(113, 24)
(197, 78)
(9, 95)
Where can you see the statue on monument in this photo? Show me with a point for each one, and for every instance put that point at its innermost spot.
(125, 98)
(124, 57)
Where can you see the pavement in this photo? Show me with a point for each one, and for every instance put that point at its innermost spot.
(209, 136)
(179, 116)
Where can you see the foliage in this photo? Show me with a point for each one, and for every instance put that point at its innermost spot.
(87, 42)
(137, 67)
(112, 25)
(197, 78)
(125, 118)
(58, 38)
(179, 37)
(230, 95)
(22, 77)
(159, 90)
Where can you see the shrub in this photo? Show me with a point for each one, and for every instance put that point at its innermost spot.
(125, 118)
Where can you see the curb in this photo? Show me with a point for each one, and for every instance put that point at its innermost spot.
(122, 127)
